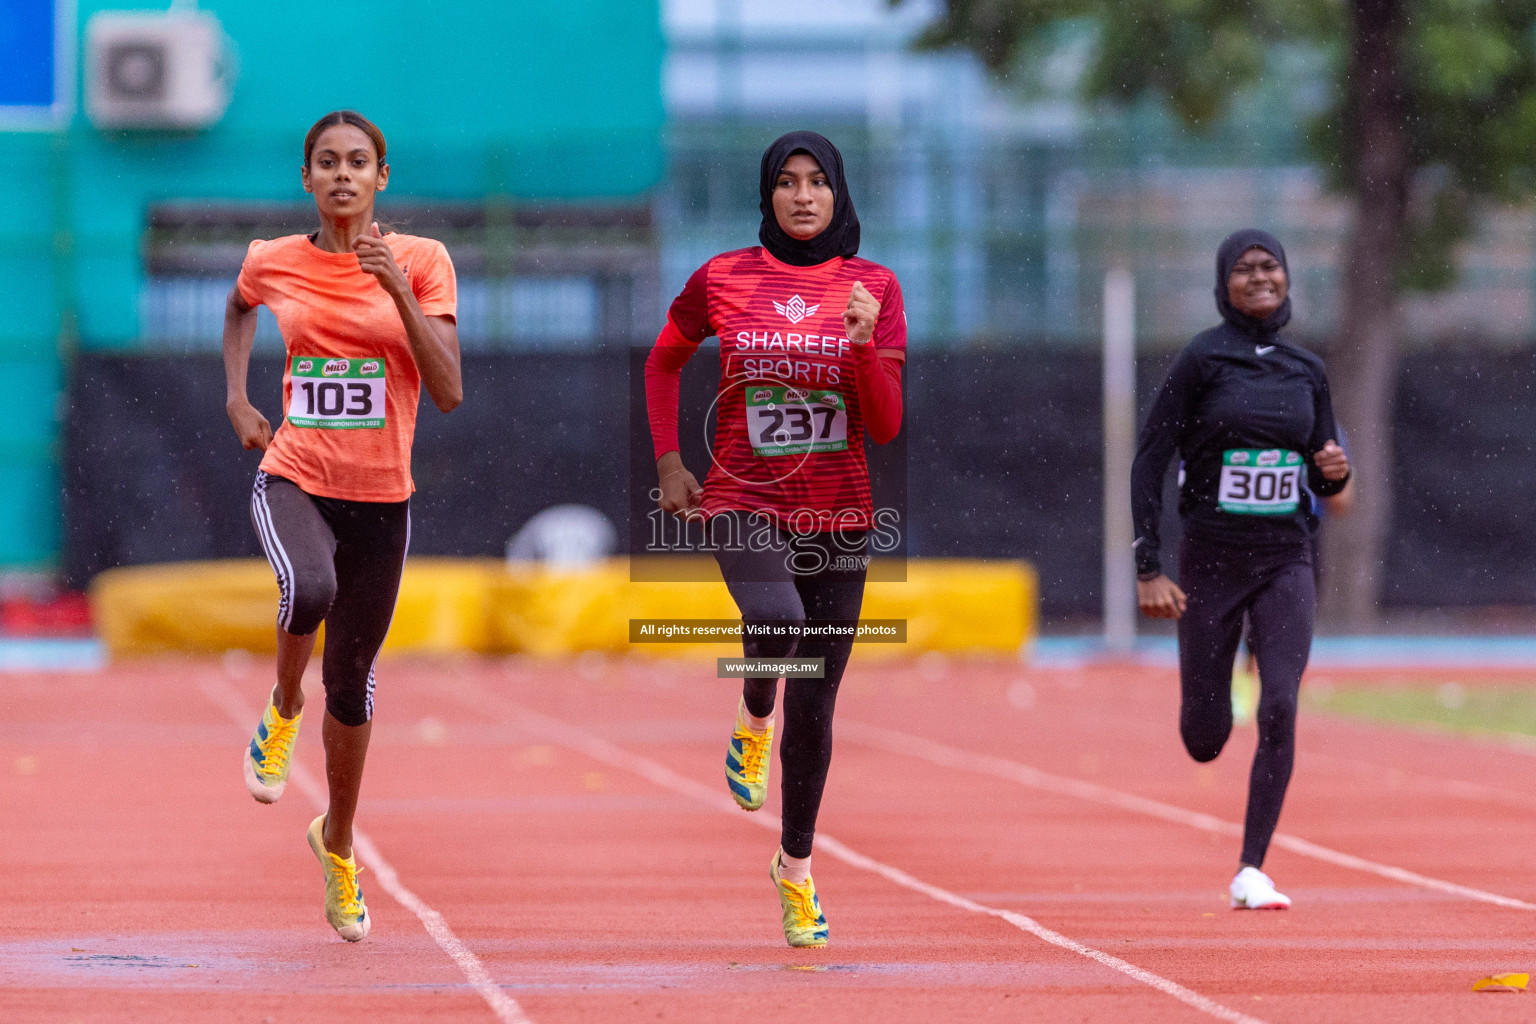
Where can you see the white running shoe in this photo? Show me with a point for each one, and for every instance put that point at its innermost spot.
(1252, 889)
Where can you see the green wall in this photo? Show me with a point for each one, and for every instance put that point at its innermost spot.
(533, 100)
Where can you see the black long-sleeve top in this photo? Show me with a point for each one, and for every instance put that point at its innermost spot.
(1246, 412)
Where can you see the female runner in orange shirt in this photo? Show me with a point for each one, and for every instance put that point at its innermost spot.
(367, 319)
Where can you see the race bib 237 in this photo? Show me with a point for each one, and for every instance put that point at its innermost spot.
(794, 421)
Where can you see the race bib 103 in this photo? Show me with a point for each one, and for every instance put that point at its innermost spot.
(794, 421)
(336, 394)
(1260, 481)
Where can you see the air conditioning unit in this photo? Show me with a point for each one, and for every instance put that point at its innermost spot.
(154, 69)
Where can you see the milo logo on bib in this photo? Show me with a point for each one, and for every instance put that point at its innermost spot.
(337, 394)
(1260, 481)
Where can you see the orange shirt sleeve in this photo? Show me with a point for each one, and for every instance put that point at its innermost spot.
(433, 282)
(249, 281)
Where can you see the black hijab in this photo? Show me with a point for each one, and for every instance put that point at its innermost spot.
(1227, 256)
(841, 236)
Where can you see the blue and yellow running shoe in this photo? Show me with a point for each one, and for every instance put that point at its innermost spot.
(746, 761)
(344, 906)
(804, 923)
(266, 760)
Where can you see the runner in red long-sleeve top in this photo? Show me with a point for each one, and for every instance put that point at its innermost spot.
(796, 392)
(812, 343)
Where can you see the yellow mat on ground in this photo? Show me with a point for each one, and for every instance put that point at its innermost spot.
(482, 605)
(211, 607)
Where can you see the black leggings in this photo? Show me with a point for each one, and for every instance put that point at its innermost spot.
(1278, 593)
(336, 562)
(777, 578)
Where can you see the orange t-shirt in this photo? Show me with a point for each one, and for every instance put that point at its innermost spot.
(350, 386)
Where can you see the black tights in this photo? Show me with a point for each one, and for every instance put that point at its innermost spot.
(1278, 592)
(776, 578)
(337, 562)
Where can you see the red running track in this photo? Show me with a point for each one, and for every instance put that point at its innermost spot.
(1007, 844)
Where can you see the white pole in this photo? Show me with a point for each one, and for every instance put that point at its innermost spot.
(1119, 449)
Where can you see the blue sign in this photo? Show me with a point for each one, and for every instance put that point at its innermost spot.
(36, 38)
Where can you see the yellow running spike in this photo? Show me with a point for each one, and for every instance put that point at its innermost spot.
(746, 762)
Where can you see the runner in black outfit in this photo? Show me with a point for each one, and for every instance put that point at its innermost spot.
(1251, 416)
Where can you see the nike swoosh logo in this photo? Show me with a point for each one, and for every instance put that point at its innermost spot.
(1264, 350)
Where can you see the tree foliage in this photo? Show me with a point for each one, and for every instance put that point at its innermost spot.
(1469, 78)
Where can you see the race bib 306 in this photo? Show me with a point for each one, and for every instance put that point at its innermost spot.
(1260, 481)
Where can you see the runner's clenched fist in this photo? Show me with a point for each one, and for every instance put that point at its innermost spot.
(860, 316)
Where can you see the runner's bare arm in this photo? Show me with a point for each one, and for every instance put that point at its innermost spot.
(437, 356)
(434, 339)
(239, 332)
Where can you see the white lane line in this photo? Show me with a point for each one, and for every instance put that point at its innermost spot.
(504, 1006)
(599, 749)
(906, 744)
(1035, 928)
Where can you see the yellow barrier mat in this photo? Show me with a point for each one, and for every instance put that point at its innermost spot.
(487, 606)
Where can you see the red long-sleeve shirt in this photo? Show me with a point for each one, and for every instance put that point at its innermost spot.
(795, 394)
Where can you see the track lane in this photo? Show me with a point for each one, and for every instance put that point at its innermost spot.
(621, 759)
(590, 895)
(143, 884)
(217, 690)
(1367, 944)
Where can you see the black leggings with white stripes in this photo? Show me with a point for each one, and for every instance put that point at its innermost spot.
(805, 579)
(336, 562)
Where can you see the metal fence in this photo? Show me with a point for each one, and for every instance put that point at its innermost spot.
(565, 277)
(1005, 238)
(1002, 238)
